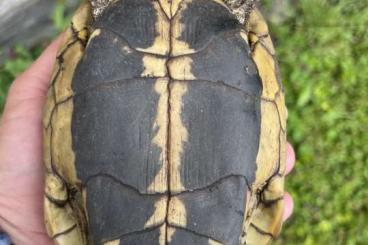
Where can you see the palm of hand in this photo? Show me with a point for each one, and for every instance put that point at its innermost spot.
(21, 166)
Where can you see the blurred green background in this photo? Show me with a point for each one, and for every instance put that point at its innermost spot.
(323, 52)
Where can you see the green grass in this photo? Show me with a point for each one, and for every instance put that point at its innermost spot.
(323, 53)
(21, 57)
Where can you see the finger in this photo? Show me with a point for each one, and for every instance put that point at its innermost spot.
(290, 158)
(34, 81)
(42, 67)
(289, 206)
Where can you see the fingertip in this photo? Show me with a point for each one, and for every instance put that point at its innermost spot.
(290, 158)
(289, 206)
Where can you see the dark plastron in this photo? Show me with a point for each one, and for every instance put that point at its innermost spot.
(116, 106)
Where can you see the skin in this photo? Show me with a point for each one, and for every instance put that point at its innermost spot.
(21, 166)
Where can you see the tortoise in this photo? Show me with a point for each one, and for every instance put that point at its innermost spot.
(165, 123)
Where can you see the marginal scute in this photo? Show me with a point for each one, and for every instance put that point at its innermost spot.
(283, 112)
(49, 107)
(274, 191)
(63, 84)
(283, 143)
(64, 215)
(55, 188)
(266, 67)
(256, 238)
(62, 218)
(269, 147)
(71, 237)
(46, 148)
(257, 23)
(61, 143)
(264, 218)
(267, 217)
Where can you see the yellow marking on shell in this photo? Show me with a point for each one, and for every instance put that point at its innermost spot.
(58, 138)
(162, 237)
(179, 135)
(179, 47)
(62, 218)
(62, 153)
(72, 237)
(50, 105)
(267, 70)
(253, 39)
(257, 23)
(159, 215)
(82, 17)
(181, 68)
(154, 66)
(161, 44)
(84, 199)
(251, 205)
(170, 233)
(94, 34)
(63, 85)
(268, 44)
(170, 7)
(115, 242)
(256, 238)
(268, 218)
(177, 213)
(282, 152)
(266, 214)
(283, 112)
(274, 189)
(159, 184)
(46, 148)
(269, 146)
(56, 188)
(213, 242)
(244, 36)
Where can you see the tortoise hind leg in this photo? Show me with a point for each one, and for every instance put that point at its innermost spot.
(266, 205)
(65, 217)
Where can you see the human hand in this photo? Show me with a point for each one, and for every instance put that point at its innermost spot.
(21, 166)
